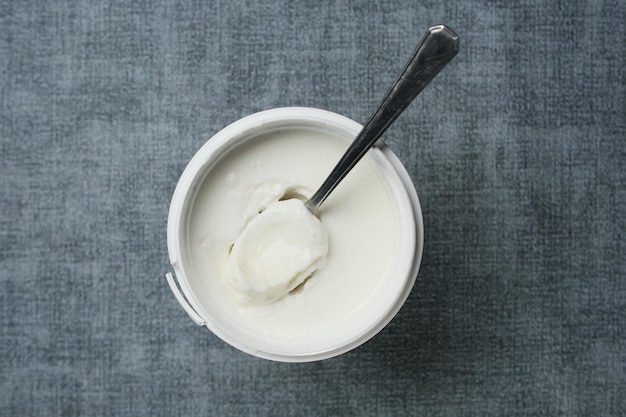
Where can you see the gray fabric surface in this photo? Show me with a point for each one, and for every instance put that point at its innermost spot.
(517, 151)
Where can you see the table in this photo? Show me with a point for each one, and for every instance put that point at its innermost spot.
(517, 151)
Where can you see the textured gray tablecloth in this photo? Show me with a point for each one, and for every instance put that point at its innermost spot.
(517, 151)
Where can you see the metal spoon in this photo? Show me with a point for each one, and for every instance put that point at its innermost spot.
(438, 46)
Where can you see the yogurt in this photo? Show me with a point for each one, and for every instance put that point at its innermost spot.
(277, 250)
(262, 272)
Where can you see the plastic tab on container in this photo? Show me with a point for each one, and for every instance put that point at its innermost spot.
(183, 301)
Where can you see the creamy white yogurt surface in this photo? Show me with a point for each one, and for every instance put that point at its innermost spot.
(277, 251)
(365, 267)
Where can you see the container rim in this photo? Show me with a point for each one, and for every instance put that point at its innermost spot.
(192, 176)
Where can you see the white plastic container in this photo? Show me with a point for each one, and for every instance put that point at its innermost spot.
(199, 307)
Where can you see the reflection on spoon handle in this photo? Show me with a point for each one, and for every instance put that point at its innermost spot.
(438, 46)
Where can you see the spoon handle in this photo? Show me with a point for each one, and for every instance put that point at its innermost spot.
(438, 46)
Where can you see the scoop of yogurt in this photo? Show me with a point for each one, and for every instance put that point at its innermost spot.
(276, 252)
